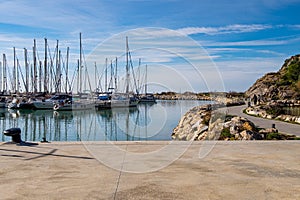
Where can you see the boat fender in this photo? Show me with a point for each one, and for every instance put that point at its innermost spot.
(56, 107)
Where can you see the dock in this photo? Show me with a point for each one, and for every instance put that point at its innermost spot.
(230, 170)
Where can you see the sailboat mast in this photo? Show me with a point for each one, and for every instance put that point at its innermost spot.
(127, 66)
(80, 64)
(26, 71)
(105, 75)
(57, 73)
(146, 80)
(45, 69)
(34, 67)
(17, 75)
(139, 74)
(116, 75)
(4, 74)
(95, 76)
(51, 75)
(0, 76)
(14, 82)
(67, 69)
(78, 68)
(40, 76)
(111, 83)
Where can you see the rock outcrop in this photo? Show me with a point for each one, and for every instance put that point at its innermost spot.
(205, 123)
(241, 129)
(194, 124)
(281, 85)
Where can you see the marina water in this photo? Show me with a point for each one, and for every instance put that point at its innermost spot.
(144, 122)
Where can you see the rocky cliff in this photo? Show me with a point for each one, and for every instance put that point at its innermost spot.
(281, 85)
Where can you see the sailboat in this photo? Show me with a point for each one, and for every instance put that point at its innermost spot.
(147, 97)
(127, 99)
(103, 101)
(120, 100)
(73, 105)
(49, 103)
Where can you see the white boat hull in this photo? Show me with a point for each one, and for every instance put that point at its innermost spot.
(73, 106)
(119, 103)
(40, 105)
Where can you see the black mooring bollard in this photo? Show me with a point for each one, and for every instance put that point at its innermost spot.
(273, 126)
(15, 133)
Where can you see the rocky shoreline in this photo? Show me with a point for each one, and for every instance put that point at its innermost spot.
(222, 98)
(209, 123)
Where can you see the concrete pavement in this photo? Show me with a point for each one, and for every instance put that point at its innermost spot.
(232, 170)
(283, 127)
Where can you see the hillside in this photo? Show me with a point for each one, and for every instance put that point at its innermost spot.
(281, 85)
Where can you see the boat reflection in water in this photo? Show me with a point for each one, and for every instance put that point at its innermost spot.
(144, 122)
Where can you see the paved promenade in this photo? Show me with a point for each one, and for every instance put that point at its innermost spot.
(231, 170)
(282, 127)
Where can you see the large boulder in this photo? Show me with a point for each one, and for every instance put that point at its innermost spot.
(248, 135)
(239, 124)
(193, 124)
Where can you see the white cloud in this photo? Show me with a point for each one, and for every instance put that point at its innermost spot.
(60, 16)
(253, 65)
(236, 28)
(263, 42)
(297, 26)
(240, 74)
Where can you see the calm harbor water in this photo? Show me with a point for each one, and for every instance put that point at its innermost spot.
(145, 122)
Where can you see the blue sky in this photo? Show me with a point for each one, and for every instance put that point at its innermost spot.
(244, 39)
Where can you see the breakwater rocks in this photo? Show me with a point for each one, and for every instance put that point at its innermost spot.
(194, 124)
(208, 123)
(183, 96)
(226, 99)
(272, 112)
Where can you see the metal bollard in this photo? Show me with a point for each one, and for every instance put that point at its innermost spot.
(273, 126)
(15, 133)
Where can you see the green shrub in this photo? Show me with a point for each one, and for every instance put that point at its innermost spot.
(225, 133)
(275, 136)
(275, 111)
(292, 74)
(206, 119)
